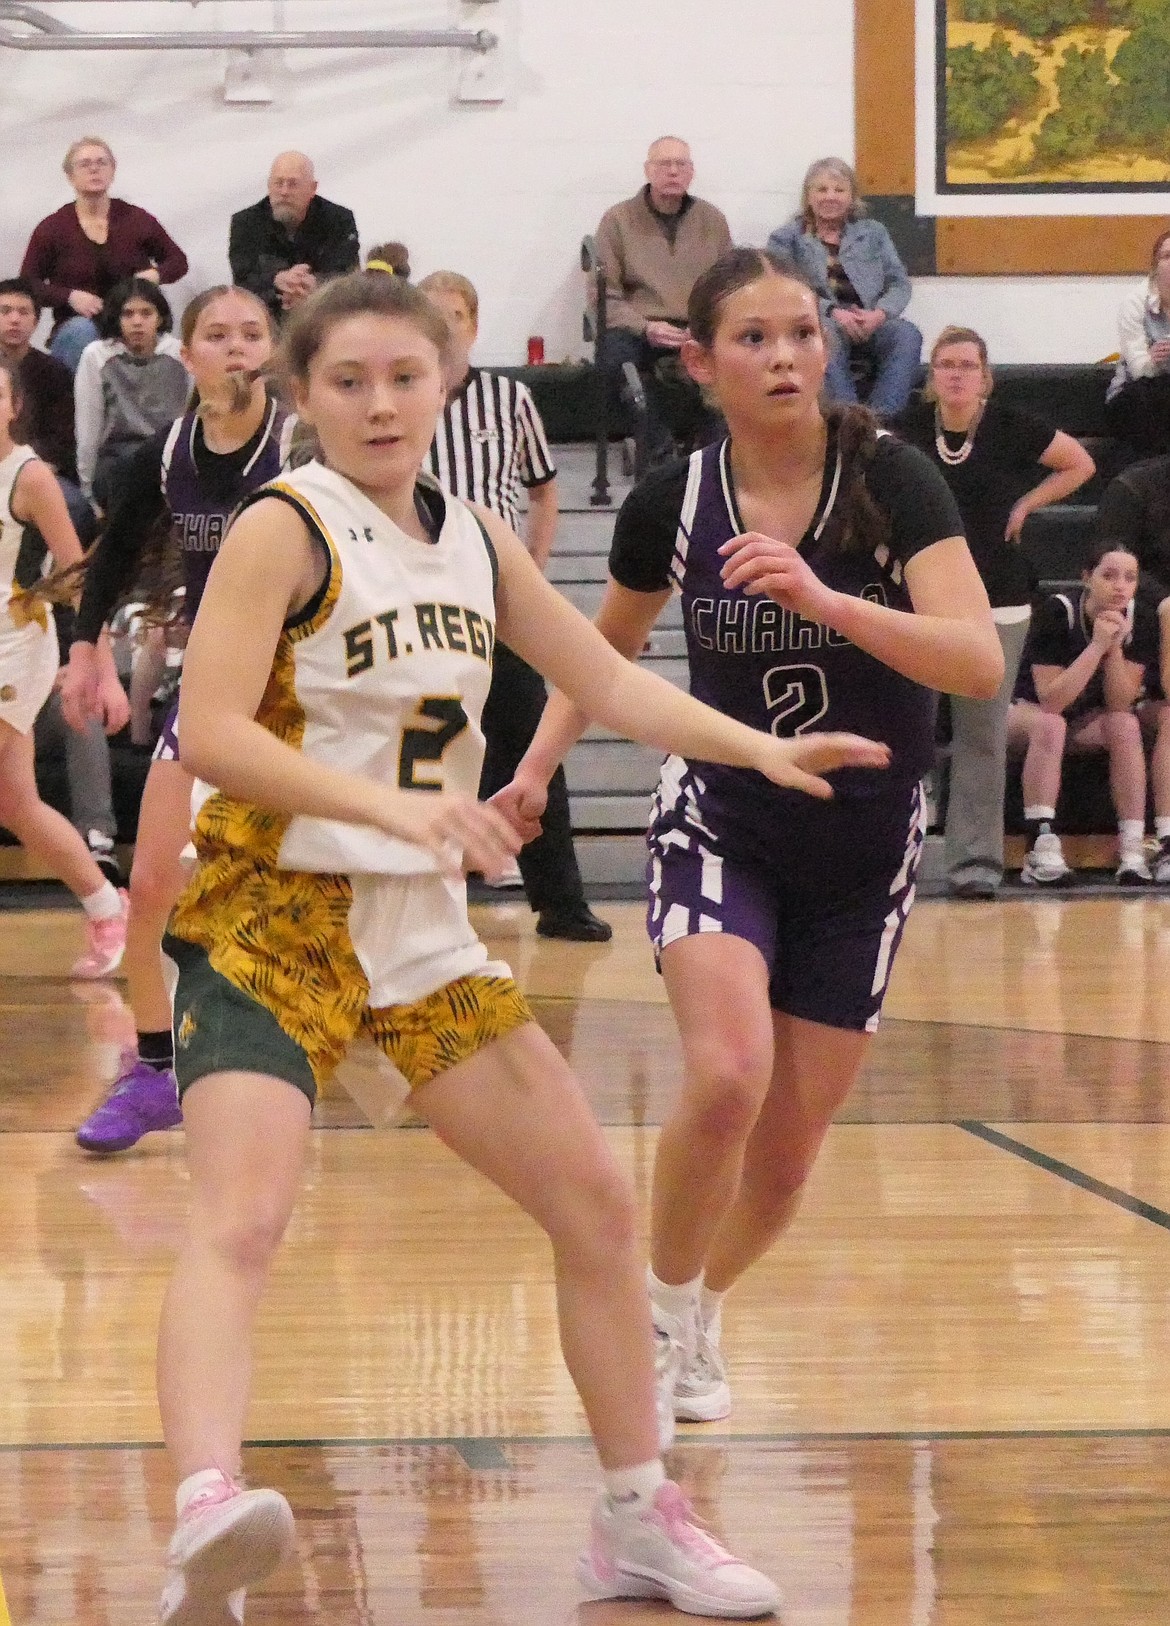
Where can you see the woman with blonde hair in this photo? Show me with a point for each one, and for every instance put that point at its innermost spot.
(1001, 464)
(861, 284)
(77, 255)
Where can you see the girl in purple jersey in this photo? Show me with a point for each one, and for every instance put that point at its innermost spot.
(825, 584)
(189, 477)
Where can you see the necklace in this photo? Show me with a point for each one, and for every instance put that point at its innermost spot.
(945, 454)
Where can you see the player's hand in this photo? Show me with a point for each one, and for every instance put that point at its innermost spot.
(80, 682)
(113, 703)
(761, 564)
(460, 833)
(1109, 629)
(523, 804)
(798, 763)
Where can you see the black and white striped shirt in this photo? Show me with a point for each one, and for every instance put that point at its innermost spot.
(490, 442)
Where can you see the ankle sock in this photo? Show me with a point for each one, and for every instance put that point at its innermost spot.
(1131, 834)
(157, 1050)
(677, 1301)
(709, 1303)
(194, 1484)
(634, 1488)
(104, 904)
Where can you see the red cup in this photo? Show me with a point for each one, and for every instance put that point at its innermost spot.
(535, 350)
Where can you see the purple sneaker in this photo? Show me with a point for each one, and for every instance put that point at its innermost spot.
(142, 1099)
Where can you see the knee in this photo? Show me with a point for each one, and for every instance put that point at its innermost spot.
(1122, 731)
(1048, 731)
(154, 885)
(601, 1223)
(246, 1239)
(727, 1090)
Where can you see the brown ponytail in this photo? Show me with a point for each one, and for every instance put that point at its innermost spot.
(861, 526)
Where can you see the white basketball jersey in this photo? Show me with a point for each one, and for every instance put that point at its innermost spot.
(385, 674)
(11, 529)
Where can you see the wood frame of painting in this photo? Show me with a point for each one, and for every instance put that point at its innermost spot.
(999, 245)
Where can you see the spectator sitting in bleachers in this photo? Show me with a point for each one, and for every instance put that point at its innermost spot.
(1001, 464)
(77, 254)
(1137, 408)
(654, 247)
(862, 285)
(1095, 672)
(393, 258)
(47, 389)
(281, 246)
(1135, 507)
(129, 382)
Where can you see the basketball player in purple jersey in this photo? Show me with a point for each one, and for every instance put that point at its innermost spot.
(825, 584)
(192, 475)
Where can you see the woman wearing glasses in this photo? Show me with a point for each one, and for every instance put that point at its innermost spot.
(1001, 464)
(78, 254)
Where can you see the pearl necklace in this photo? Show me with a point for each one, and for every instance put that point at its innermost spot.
(952, 459)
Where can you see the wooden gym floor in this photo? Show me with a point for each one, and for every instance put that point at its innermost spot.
(951, 1401)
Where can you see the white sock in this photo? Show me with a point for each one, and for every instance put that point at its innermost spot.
(634, 1488)
(104, 904)
(709, 1303)
(194, 1483)
(677, 1301)
(1162, 826)
(1132, 833)
(1038, 815)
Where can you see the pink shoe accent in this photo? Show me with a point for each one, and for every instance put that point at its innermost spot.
(224, 1490)
(603, 1566)
(676, 1516)
(106, 943)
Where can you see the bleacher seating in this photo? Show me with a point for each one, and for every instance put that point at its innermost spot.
(610, 780)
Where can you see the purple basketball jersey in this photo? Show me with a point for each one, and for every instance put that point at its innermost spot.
(769, 667)
(203, 489)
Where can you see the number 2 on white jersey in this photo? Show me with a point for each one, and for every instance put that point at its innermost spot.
(440, 719)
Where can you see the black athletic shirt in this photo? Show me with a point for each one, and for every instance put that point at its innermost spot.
(1061, 631)
(767, 666)
(1003, 465)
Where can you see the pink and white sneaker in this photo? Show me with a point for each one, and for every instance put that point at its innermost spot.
(226, 1540)
(105, 944)
(663, 1551)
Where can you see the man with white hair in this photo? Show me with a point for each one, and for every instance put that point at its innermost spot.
(280, 247)
(655, 246)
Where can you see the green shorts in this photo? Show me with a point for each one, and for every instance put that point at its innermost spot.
(223, 1028)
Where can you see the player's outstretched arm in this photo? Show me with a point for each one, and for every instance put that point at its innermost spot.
(267, 568)
(606, 687)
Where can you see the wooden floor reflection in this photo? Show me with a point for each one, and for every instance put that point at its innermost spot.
(949, 1381)
(888, 1532)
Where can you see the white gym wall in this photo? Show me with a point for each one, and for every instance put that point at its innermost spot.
(502, 192)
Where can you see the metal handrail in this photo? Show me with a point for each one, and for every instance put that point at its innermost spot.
(54, 35)
(591, 265)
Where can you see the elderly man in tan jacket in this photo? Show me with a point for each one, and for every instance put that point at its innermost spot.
(654, 247)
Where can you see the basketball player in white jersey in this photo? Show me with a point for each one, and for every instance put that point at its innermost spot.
(30, 495)
(332, 695)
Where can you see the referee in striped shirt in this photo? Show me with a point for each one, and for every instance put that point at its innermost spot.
(489, 443)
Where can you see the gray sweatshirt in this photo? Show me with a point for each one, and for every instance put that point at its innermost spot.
(122, 399)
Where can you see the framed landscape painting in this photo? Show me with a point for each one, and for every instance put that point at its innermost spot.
(1034, 107)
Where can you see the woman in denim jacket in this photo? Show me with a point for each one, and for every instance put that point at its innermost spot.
(862, 283)
(1137, 407)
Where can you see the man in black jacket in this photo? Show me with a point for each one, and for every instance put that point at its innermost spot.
(281, 246)
(1135, 509)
